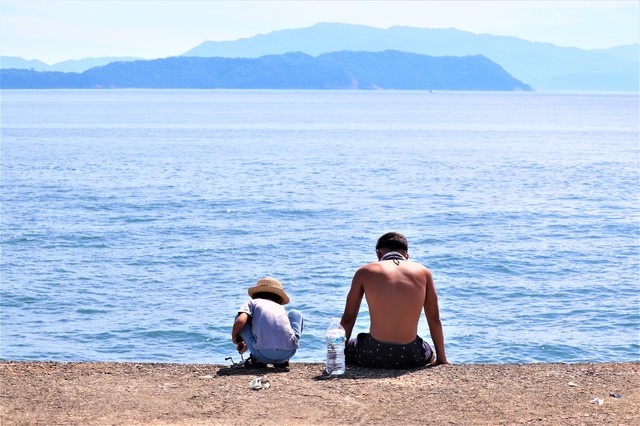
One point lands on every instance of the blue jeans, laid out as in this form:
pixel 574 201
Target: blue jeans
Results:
pixel 273 356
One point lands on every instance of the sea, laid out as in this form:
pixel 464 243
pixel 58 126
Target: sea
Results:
pixel 134 221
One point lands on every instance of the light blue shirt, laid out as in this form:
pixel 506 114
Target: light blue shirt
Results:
pixel 270 325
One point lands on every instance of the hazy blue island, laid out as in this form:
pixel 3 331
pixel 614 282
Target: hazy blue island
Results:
pixel 71 65
pixel 541 65
pixel 345 70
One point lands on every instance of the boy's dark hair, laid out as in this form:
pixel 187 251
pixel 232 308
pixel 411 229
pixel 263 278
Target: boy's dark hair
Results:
pixel 392 241
pixel 267 295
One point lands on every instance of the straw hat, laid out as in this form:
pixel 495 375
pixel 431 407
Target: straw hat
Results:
pixel 269 285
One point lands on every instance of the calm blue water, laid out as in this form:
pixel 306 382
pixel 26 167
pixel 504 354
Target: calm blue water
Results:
pixel 133 221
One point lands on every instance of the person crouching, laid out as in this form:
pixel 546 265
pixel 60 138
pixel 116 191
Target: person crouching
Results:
pixel 263 327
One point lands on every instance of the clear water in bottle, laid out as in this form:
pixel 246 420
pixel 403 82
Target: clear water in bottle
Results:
pixel 335 348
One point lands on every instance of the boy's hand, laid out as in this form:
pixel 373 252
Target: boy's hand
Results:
pixel 241 347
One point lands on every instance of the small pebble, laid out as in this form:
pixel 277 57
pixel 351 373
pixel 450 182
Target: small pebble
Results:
pixel 572 384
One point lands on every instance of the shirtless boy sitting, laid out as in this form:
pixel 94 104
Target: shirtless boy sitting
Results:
pixel 396 290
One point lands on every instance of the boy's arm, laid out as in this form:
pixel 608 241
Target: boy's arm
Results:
pixel 238 325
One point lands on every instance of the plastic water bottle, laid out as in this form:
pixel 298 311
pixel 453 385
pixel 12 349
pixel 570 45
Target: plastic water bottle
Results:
pixel 335 348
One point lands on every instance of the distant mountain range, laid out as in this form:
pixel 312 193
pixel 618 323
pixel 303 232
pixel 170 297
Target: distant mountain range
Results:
pixel 541 65
pixel 337 70
pixel 73 65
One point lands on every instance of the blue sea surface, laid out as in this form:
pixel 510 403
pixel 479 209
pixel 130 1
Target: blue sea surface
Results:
pixel 133 221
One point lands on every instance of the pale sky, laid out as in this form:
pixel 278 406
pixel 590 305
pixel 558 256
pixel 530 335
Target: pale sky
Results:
pixel 53 31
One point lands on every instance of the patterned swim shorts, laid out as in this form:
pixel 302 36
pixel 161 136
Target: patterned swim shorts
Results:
pixel 365 351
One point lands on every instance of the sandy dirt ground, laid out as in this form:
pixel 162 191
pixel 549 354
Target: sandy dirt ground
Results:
pixel 184 394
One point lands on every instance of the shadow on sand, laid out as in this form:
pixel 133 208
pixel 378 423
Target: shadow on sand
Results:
pixel 368 373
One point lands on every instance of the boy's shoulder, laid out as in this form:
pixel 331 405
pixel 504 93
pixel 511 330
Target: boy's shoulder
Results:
pixel 263 305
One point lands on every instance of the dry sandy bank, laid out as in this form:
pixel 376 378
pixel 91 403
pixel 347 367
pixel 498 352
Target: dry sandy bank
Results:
pixel 128 393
